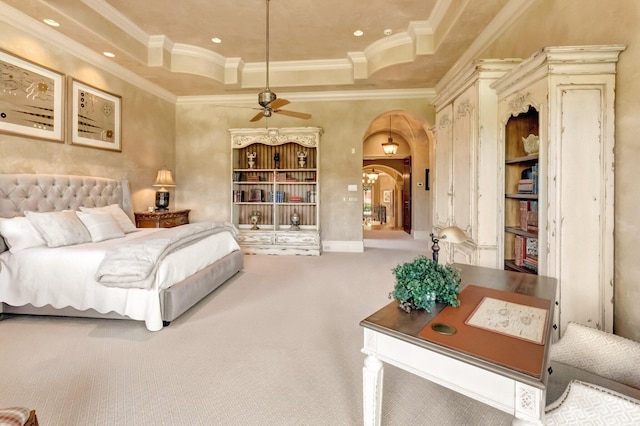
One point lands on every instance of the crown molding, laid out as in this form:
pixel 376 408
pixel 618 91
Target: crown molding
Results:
pixel 107 11
pixel 38 30
pixel 354 95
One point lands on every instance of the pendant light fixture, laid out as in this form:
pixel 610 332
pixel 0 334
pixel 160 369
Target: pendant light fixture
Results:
pixel 390 147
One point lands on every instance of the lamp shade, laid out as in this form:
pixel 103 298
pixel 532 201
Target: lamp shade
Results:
pixel 453 234
pixel 164 179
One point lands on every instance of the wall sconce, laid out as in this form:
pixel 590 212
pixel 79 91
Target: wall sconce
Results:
pixel 452 234
pixel 390 147
pixel 164 179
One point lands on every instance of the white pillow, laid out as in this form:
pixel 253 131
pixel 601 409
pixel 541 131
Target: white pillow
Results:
pixel 19 234
pixel 59 228
pixel 117 213
pixel 101 226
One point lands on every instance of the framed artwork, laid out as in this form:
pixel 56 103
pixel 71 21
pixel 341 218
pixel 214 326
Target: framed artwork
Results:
pixel 386 197
pixel 31 99
pixel 95 117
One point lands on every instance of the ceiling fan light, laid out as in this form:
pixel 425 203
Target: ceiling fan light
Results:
pixel 390 147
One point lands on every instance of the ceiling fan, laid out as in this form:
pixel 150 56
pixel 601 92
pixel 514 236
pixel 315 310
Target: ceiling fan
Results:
pixel 267 99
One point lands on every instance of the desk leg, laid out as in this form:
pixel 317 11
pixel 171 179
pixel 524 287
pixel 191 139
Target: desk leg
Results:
pixel 529 404
pixel 372 375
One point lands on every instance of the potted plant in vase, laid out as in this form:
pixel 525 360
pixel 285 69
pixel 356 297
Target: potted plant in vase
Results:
pixel 423 283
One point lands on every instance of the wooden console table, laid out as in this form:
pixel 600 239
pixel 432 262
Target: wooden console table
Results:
pixel 393 336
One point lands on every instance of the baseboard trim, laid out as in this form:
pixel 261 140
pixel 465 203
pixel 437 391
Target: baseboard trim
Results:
pixel 343 246
pixel 421 235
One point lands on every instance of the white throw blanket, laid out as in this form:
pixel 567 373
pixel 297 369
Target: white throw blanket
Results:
pixel 133 265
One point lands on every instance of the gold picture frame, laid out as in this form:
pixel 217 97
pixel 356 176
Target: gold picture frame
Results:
pixel 95 117
pixel 31 99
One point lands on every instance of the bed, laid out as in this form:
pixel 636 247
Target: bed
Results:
pixel 70 275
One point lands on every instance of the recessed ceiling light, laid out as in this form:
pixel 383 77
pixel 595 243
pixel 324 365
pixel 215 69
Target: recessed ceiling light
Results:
pixel 388 32
pixel 51 22
pixel 358 33
pixel 109 54
pixel 216 40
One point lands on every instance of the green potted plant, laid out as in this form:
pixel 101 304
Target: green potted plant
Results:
pixel 423 283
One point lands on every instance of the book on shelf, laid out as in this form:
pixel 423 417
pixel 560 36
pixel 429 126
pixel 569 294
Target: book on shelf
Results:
pixel 520 249
pixel 525 186
pixel 529 215
pixel 528 183
pixel 253 178
pixel 311 196
pixel 279 197
pixel 295 199
pixel 238 196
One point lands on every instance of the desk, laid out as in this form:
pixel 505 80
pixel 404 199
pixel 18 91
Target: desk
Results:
pixel 392 336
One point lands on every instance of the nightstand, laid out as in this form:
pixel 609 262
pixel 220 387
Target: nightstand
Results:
pixel 162 218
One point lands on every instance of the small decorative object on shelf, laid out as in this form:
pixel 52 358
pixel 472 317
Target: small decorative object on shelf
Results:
pixel 254 218
pixel 251 159
pixel 276 160
pixel 302 158
pixel 423 283
pixel 295 221
pixel 531 144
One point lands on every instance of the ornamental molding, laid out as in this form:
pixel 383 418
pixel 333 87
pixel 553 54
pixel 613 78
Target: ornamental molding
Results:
pixel 305 136
pixel 520 104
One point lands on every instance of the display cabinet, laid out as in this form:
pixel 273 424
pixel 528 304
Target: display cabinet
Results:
pixel 275 194
pixel 465 178
pixel 565 96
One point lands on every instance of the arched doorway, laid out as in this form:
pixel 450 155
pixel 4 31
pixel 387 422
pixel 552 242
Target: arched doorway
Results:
pixel 397 198
pixel 382 186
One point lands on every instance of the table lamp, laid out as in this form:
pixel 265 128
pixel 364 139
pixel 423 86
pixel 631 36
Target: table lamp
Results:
pixel 452 234
pixel 164 179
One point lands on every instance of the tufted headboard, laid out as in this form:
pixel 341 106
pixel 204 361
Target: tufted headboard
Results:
pixel 45 193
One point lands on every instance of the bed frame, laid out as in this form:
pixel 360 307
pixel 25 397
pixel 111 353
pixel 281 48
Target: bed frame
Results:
pixel 50 192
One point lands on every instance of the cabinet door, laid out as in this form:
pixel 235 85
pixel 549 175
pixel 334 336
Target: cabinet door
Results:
pixel 582 191
pixel 464 162
pixel 442 172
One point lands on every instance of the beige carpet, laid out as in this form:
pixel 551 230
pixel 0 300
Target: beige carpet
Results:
pixel 278 345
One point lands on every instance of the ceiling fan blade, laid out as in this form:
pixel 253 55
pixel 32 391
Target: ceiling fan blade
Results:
pixel 295 114
pixel 278 103
pixel 257 117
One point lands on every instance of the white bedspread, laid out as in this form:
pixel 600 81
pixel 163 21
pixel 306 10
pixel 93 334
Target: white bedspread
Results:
pixel 64 276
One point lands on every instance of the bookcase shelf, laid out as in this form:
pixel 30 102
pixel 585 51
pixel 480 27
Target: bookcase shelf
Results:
pixel 520 208
pixel 275 173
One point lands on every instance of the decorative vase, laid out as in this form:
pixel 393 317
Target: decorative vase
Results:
pixel 302 158
pixel 254 218
pixel 531 144
pixel 295 221
pixel 251 159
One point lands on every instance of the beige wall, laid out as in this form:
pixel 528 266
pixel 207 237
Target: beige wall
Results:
pixel 583 22
pixel 203 153
pixel 148 127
